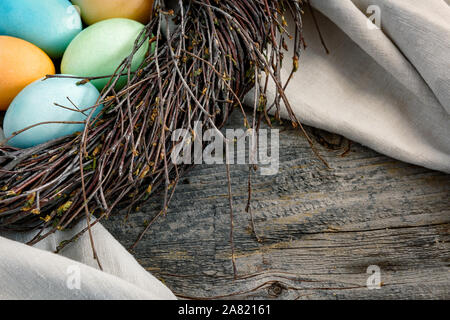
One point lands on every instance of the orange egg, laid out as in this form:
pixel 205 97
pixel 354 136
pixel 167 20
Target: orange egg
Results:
pixel 21 63
pixel 93 11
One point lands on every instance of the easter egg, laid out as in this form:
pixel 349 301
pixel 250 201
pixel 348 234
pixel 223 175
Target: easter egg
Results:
pixel 93 11
pixel 49 24
pixel 21 63
pixel 99 49
pixel 51 100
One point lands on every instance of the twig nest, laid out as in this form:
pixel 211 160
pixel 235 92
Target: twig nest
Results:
pixel 215 54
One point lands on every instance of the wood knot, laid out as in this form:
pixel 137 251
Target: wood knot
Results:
pixel 275 289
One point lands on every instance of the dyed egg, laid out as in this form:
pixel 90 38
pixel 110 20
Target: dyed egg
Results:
pixel 49 24
pixel 99 49
pixel 21 63
pixel 39 102
pixel 93 11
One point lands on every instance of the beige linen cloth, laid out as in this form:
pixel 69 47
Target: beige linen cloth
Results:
pixel 386 88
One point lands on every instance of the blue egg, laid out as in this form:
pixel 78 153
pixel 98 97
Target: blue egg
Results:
pixel 51 24
pixel 38 103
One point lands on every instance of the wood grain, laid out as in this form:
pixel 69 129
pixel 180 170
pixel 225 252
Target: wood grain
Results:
pixel 316 230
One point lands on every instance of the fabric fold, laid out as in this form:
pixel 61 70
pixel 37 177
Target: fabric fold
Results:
pixel 367 89
pixel 352 20
pixel 37 273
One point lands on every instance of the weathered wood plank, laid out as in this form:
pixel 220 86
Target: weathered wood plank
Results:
pixel 318 229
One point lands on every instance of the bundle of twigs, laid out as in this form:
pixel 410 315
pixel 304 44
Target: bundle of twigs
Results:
pixel 208 55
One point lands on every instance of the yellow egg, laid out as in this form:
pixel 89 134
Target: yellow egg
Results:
pixel 93 11
pixel 21 63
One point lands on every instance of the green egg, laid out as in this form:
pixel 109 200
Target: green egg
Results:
pixel 99 49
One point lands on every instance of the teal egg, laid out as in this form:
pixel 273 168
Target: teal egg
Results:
pixel 99 49
pixel 37 103
pixel 49 24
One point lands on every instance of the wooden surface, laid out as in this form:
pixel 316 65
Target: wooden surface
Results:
pixel 318 230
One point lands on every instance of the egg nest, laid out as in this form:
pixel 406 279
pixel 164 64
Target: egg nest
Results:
pixel 208 55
